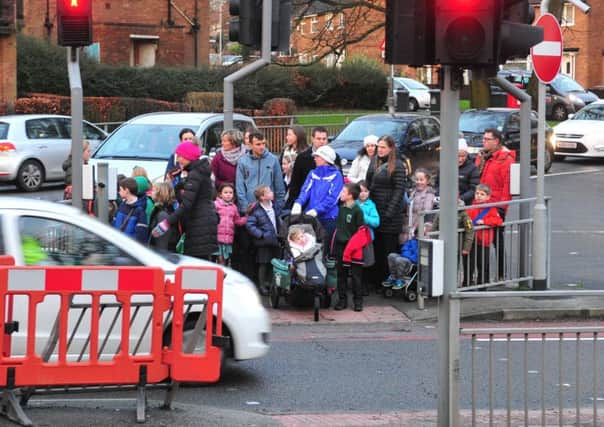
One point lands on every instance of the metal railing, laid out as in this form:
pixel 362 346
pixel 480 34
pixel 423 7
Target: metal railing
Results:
pixel 538 375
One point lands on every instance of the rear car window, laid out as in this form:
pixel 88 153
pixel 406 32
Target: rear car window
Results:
pixel 46 128
pixel 3 130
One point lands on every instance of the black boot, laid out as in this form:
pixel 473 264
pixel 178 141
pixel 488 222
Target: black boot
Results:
pixel 358 306
pixel 341 304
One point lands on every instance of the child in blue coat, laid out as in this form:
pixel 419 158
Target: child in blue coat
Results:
pixel 372 219
pixel 262 224
pixel 131 218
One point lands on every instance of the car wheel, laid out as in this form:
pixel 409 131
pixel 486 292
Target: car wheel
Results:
pixel 559 113
pixel 549 159
pixel 413 105
pixel 30 176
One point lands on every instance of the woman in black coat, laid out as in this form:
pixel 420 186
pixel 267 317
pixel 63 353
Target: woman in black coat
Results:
pixel 386 182
pixel 196 212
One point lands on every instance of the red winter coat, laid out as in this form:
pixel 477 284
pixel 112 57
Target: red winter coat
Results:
pixel 353 252
pixel 496 174
pixel 490 219
pixel 229 216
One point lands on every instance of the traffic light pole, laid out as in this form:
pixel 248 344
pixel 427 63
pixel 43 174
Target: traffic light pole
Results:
pixel 265 59
pixel 77 116
pixel 448 312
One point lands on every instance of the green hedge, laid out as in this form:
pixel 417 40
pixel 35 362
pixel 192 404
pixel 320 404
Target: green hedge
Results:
pixel 358 83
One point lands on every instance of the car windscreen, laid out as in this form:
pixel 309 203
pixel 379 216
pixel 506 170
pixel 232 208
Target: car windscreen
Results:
pixel 564 84
pixel 591 112
pixel 359 129
pixel 146 141
pixel 3 130
pixel 414 85
pixel 478 121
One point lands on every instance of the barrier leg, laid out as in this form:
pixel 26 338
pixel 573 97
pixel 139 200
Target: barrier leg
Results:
pixel 141 396
pixel 12 410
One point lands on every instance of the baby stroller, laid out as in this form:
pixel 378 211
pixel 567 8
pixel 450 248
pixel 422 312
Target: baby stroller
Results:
pixel 301 274
pixel 406 274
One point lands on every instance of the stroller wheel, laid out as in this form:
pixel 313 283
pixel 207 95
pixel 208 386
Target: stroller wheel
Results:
pixel 411 295
pixel 274 295
pixel 388 292
pixel 317 306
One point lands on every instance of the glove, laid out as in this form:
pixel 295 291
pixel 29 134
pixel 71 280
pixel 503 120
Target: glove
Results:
pixel 311 212
pixel 296 209
pixel 160 229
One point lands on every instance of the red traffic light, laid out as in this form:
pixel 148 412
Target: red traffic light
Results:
pixel 74 19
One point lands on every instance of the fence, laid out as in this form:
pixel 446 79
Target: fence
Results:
pixel 112 326
pixel 507 261
pixel 538 375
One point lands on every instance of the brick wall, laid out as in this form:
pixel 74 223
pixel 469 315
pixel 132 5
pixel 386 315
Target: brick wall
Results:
pixel 8 70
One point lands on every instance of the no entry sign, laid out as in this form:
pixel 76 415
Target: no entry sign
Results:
pixel 547 55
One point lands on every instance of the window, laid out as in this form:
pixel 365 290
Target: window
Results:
pixel 89 131
pixel 46 128
pixel 142 53
pixel 46 241
pixel 431 128
pixel 414 132
pixel 514 123
pixel 212 137
pixel 568 15
pixel 329 21
pixel 314 24
pixel 568 63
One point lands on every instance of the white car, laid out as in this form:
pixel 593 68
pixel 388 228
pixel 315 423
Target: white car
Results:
pixel 582 135
pixel 33 148
pixel 150 139
pixel 65 236
pixel 419 93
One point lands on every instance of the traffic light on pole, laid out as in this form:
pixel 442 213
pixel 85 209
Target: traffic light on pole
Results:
pixel 281 25
pixel 409 32
pixel 74 22
pixel 517 35
pixel 245 24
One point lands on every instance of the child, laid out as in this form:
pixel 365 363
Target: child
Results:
pixel 400 266
pixel 350 218
pixel 163 205
pixel 300 241
pixel 484 238
pixel 287 166
pixel 229 217
pixel 262 224
pixel 131 217
pixel 142 192
pixel 372 220
pixel 422 198
pixel 141 171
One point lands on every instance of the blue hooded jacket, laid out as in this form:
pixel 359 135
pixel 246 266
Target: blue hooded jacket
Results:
pixel 371 215
pixel 321 191
pixel 137 226
pixel 253 172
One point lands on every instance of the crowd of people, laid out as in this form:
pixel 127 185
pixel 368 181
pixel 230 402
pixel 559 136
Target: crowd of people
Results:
pixel 230 207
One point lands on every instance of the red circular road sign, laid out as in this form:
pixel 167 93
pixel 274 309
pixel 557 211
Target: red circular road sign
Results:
pixel 547 55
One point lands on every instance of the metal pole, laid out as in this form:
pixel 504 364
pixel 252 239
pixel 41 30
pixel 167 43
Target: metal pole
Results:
pixel 448 314
pixel 220 36
pixel 525 166
pixel 77 116
pixel 540 213
pixel 391 101
pixel 265 59
pixel 102 195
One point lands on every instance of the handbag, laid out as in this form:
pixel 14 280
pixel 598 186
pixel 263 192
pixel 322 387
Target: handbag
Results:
pixel 180 246
pixel 368 255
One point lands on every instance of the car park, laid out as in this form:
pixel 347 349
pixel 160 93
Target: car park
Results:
pixel 419 93
pixel 582 135
pixel 150 139
pixel 417 138
pixel 33 148
pixel 473 122
pixel 62 235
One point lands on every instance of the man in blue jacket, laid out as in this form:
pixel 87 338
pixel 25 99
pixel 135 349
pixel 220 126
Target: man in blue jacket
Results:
pixel 321 190
pixel 258 167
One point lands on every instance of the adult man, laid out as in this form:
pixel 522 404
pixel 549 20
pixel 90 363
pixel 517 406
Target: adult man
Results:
pixel 468 174
pixel 258 167
pixel 494 162
pixel 305 163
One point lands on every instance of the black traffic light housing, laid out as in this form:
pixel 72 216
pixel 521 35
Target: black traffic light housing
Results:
pixel 517 35
pixel 409 32
pixel 245 25
pixel 74 22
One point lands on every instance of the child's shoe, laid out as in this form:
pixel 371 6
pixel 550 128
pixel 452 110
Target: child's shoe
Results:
pixel 390 281
pixel 398 284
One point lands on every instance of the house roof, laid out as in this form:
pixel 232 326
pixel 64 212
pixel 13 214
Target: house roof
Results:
pixel 316 7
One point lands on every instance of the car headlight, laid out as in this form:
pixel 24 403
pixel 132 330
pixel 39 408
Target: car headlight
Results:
pixel 552 139
pixel 344 162
pixel 575 99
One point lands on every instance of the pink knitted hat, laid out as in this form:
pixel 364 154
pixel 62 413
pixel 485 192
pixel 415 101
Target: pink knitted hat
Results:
pixel 188 150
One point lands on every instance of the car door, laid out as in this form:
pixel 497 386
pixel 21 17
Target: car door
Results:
pixel 418 148
pixel 511 132
pixel 49 144
pixel 431 131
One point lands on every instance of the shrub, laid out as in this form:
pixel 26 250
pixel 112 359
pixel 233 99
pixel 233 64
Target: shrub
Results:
pixel 204 101
pixel 364 84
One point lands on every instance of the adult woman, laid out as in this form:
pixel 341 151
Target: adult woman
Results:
pixel 224 163
pixel 295 142
pixel 172 170
pixel 386 181
pixel 67 168
pixel 196 212
pixel 358 169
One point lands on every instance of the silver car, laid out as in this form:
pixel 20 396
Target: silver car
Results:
pixel 33 148
pixel 419 93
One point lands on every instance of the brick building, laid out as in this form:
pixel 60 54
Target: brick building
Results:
pixel 133 32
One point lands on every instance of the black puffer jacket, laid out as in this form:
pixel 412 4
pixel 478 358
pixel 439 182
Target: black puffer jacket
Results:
pixel 196 211
pixel 387 193
pixel 469 178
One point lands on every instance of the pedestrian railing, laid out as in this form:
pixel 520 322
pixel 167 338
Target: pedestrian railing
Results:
pixel 531 375
pixel 508 261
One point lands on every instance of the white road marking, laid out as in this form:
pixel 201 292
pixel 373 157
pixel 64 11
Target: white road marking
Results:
pixel 577 232
pixel 570 173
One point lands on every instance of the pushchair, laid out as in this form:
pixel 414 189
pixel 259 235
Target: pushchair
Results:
pixel 407 273
pixel 301 275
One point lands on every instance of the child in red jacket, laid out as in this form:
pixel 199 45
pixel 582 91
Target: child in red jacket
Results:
pixel 489 217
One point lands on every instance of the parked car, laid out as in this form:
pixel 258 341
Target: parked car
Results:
pixel 66 236
pixel 417 138
pixel 582 134
pixel 473 122
pixel 563 97
pixel 149 140
pixel 419 93
pixel 33 148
